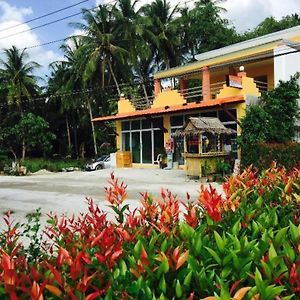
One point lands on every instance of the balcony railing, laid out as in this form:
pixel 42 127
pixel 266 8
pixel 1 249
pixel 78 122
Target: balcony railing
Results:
pixel 193 94
pixel 262 86
pixel 142 103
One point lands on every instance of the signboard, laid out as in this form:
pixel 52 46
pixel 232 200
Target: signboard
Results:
pixel 234 81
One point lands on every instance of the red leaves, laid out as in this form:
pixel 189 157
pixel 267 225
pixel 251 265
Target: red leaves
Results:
pixel 211 202
pixel 295 277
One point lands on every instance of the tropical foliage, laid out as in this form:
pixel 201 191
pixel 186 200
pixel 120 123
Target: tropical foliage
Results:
pixel 237 245
pixel 117 49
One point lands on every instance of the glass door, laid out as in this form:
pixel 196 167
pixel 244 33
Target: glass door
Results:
pixel 136 147
pixel 147 147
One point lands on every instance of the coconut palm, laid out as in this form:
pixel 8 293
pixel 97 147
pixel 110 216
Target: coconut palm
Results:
pixel 16 74
pixel 100 46
pixel 162 18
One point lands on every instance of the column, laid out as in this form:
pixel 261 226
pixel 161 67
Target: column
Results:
pixel 206 84
pixel 157 88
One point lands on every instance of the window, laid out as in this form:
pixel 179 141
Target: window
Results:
pixel 211 143
pixel 135 124
pixel 126 141
pixel 192 144
pixel 227 116
pixel 126 125
pixel 176 120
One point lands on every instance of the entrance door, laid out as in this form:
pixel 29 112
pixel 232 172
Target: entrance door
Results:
pixel 136 149
pixel 147 147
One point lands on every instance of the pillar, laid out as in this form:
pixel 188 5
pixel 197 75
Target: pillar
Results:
pixel 182 86
pixel 157 88
pixel 206 84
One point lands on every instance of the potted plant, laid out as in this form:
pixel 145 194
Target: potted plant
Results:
pixel 205 168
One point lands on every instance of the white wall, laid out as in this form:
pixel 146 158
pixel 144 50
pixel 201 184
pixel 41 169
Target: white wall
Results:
pixel 285 65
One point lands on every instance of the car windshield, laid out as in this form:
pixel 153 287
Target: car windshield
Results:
pixel 102 158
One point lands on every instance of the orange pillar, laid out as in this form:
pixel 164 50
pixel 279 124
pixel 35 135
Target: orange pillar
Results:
pixel 182 86
pixel 206 84
pixel 157 88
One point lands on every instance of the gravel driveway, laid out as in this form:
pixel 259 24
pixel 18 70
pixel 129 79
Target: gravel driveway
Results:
pixel 66 192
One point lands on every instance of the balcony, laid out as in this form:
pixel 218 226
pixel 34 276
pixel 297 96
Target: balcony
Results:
pixel 239 85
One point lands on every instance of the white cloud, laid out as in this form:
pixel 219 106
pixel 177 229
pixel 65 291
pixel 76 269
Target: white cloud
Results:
pixel 12 16
pixel 247 14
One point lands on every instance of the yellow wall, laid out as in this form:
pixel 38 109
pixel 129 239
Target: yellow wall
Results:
pixel 169 98
pixel 249 88
pixel 119 136
pixel 125 106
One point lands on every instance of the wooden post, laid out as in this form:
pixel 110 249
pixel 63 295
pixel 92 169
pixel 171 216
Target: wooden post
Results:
pixel 157 88
pixel 206 84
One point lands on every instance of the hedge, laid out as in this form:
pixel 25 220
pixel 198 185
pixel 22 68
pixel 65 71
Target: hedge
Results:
pixel 261 155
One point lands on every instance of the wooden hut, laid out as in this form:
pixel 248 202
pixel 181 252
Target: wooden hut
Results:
pixel 204 144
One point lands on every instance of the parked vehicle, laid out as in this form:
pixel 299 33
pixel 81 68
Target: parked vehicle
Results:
pixel 102 162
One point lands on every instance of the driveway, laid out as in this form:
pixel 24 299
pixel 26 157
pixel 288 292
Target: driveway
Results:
pixel 66 192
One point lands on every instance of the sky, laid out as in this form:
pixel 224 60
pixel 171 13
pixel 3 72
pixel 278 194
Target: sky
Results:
pixel 244 14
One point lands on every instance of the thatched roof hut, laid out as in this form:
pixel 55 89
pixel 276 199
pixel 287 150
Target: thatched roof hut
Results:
pixel 197 126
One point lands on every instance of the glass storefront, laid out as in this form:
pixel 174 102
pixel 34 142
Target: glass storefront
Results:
pixel 144 139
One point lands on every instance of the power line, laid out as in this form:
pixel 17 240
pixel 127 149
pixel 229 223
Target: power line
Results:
pixel 45 15
pixel 52 22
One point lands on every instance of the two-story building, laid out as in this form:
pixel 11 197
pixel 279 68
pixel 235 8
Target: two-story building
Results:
pixel 221 83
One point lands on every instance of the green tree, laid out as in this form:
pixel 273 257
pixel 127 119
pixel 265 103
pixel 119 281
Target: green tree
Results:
pixel 273 119
pixel 16 74
pixel 35 132
pixel 31 133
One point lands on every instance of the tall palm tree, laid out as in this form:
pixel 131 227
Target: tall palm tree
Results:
pixel 100 45
pixel 17 75
pixel 163 26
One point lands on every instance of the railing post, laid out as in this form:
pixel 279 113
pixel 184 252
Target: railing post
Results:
pixel 182 86
pixel 206 84
pixel 157 88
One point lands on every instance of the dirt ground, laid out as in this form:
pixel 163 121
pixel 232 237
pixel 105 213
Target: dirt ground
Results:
pixel 66 192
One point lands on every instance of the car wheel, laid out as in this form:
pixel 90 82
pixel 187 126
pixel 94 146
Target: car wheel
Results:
pixel 99 167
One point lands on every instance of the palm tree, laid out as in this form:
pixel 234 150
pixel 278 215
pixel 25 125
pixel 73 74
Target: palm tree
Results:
pixel 100 46
pixel 19 82
pixel 163 26
pixel 17 75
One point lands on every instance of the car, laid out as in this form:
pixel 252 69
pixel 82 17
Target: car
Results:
pixel 102 162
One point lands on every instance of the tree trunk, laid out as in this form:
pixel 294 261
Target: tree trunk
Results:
pixel 145 92
pixel 13 153
pixel 23 149
pixel 68 132
pixel 114 78
pixel 75 135
pixel 92 125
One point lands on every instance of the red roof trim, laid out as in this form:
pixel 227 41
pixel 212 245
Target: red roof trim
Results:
pixel 172 109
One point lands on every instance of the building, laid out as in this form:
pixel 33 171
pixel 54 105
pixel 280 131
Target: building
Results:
pixel 221 83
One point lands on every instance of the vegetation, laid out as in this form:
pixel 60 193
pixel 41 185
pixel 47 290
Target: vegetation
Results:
pixel 238 245
pixel 270 126
pixel 120 46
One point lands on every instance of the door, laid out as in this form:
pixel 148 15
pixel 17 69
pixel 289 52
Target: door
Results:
pixel 136 147
pixel 147 147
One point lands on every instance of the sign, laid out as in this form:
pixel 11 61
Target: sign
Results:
pixel 234 81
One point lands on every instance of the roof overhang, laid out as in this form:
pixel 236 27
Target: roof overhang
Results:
pixel 232 53
pixel 174 109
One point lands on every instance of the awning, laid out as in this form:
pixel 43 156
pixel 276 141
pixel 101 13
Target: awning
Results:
pixel 197 126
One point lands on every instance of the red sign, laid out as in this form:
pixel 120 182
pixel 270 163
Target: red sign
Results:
pixel 234 81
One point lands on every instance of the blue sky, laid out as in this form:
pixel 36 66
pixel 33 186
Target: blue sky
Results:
pixel 244 14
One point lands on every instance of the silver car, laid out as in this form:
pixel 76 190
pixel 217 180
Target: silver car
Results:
pixel 102 162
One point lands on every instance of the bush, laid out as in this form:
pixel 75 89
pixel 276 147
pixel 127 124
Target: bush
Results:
pixel 261 155
pixel 34 165
pixel 244 245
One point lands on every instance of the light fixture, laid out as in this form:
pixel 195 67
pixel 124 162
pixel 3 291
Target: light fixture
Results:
pixel 242 68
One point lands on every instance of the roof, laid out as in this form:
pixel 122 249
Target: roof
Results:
pixel 252 47
pixel 196 126
pixel 173 109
